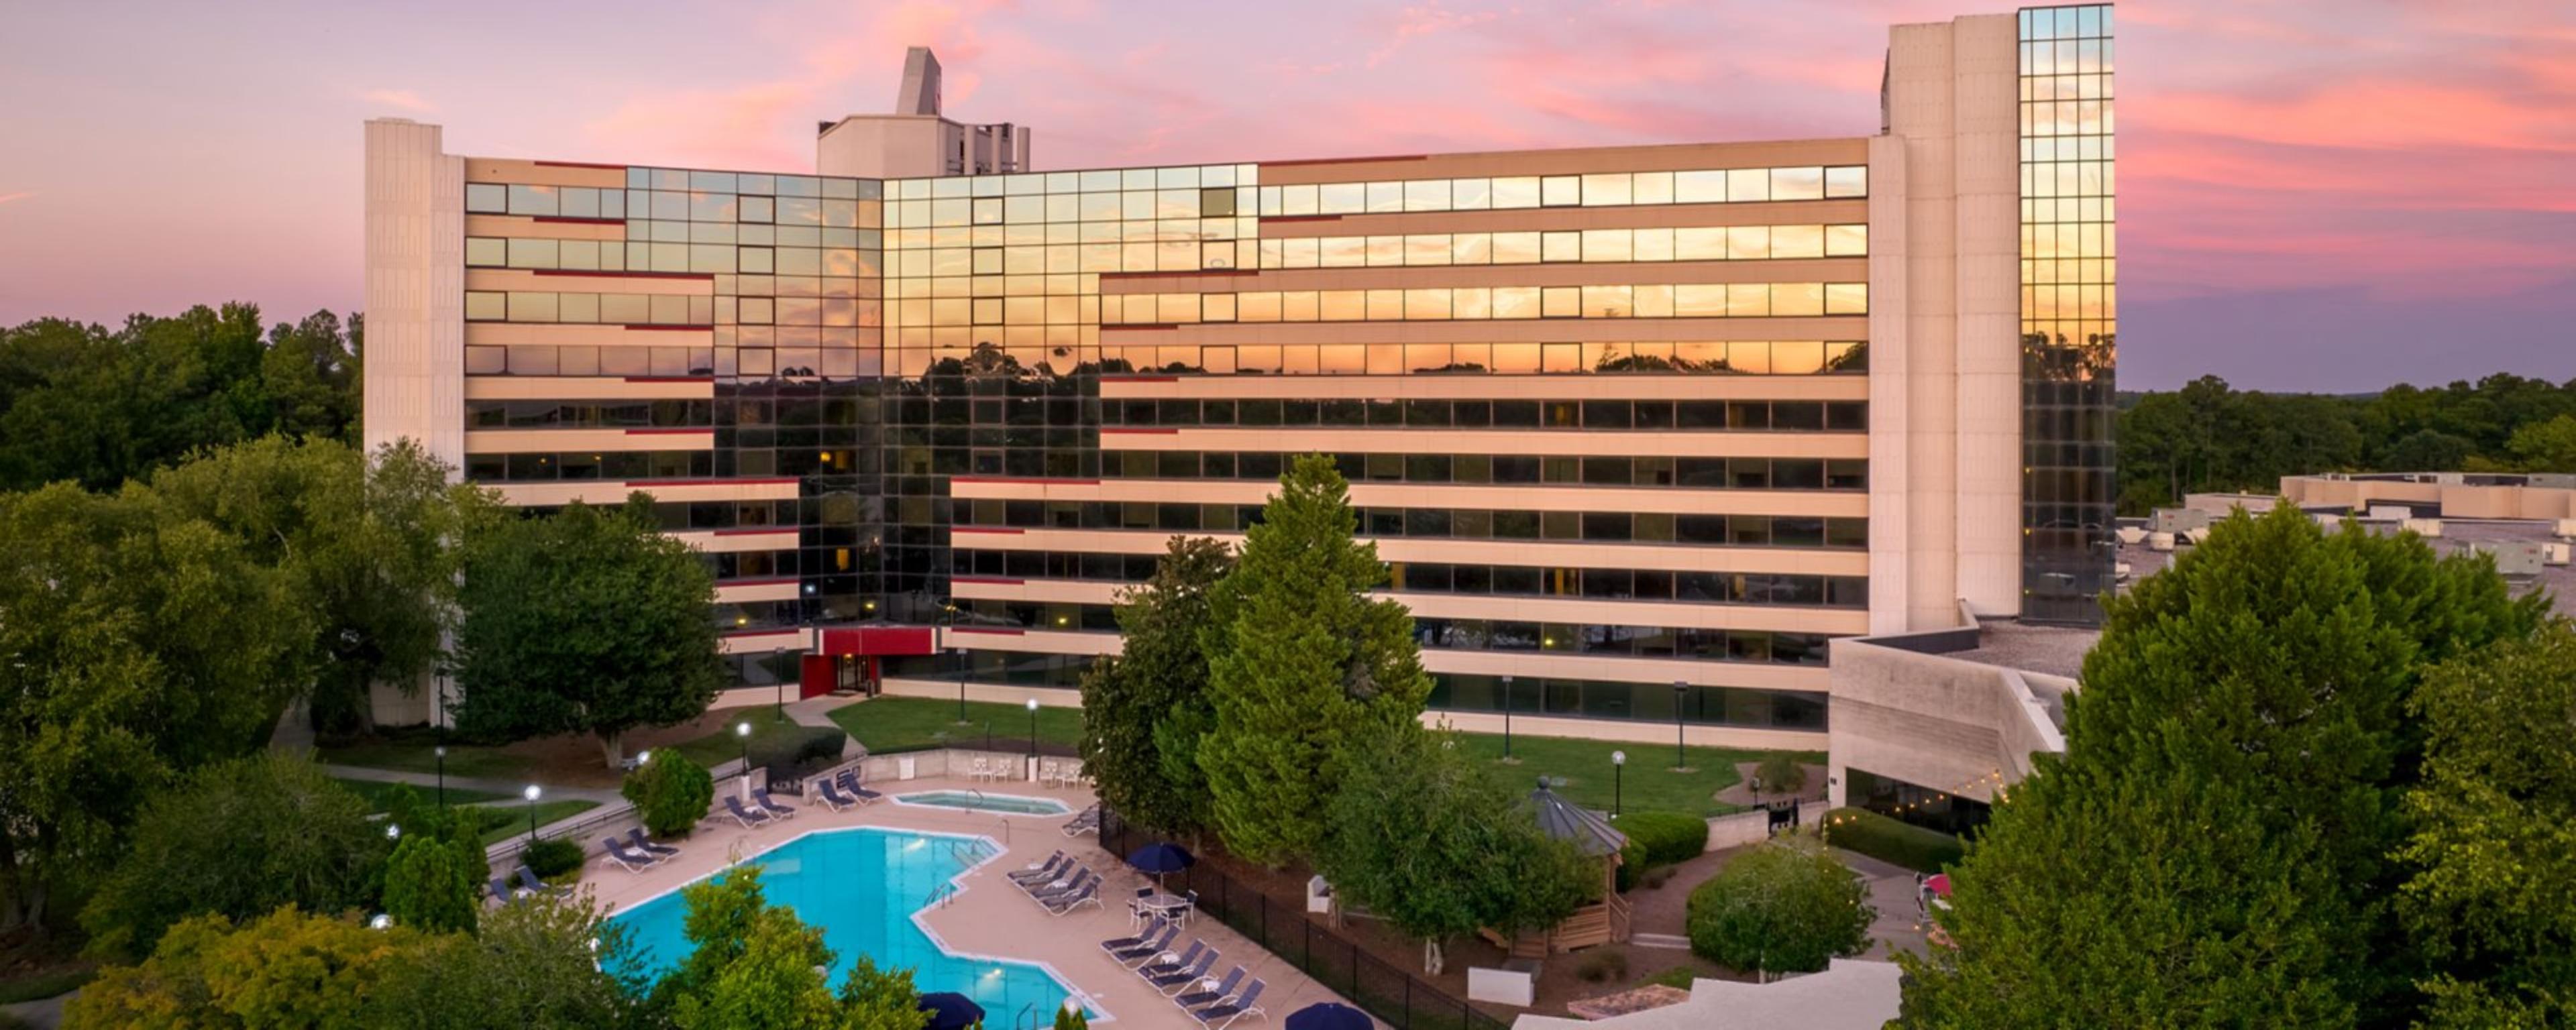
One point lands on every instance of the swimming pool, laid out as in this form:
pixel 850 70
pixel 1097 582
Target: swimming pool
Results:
pixel 1008 804
pixel 862 886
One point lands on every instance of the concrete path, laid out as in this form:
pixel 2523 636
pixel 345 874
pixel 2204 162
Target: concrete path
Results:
pixel 1901 924
pixel 42 1013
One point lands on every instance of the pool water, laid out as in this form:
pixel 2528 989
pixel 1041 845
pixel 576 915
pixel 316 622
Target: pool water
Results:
pixel 1013 804
pixel 862 886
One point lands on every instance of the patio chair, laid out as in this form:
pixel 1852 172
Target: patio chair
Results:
pixel 831 796
pixel 1136 906
pixel 617 852
pixel 1180 979
pixel 1082 879
pixel 528 882
pixel 1057 875
pixel 1224 1013
pixel 1063 903
pixel 1157 934
pixel 849 780
pixel 1034 869
pixel 982 770
pixel 501 891
pixel 1170 963
pixel 1210 996
pixel 749 819
pixel 636 839
pixel 760 796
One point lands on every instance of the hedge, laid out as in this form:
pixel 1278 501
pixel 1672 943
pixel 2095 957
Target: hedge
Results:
pixel 1658 838
pixel 793 752
pixel 1889 840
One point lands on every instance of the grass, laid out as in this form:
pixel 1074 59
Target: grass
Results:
pixel 45 984
pixel 412 750
pixel 506 821
pixel 1677 976
pixel 723 746
pixel 375 791
pixel 890 724
pixel 1648 782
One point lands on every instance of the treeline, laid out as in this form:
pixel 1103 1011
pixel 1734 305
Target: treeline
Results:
pixel 2208 437
pixel 98 406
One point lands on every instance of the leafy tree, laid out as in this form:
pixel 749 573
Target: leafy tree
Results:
pixel 431 885
pixel 1299 659
pixel 2428 450
pixel 671 793
pixel 135 643
pixel 588 620
pixel 284 969
pixel 366 542
pixel 1431 845
pixel 1147 707
pixel 2229 795
pixel 2494 839
pixel 2546 446
pixel 754 965
pixel 238 839
pixel 537 963
pixel 1786 906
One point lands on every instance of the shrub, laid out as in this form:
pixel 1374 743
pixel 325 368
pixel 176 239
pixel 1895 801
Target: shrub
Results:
pixel 792 752
pixel 1781 773
pixel 553 857
pixel 1602 965
pixel 671 794
pixel 1784 906
pixel 434 884
pixel 1891 841
pixel 1658 838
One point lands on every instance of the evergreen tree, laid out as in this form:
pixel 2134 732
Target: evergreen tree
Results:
pixel 1299 660
pixel 1145 709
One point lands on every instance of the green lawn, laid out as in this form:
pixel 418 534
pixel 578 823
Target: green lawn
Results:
pixel 375 792
pixel 889 724
pixel 413 750
pixel 504 821
pixel 723 746
pixel 1647 783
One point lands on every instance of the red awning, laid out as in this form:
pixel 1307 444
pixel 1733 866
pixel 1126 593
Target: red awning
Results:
pixel 880 640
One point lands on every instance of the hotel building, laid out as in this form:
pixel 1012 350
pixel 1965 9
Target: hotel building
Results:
pixel 1638 429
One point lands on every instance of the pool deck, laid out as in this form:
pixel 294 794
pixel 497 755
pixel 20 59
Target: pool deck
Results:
pixel 990 918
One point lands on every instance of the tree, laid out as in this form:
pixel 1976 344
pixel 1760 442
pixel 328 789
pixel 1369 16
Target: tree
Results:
pixel 285 969
pixel 431 886
pixel 2493 847
pixel 1146 708
pixel 2229 796
pixel 585 621
pixel 671 793
pixel 755 965
pixel 135 644
pixel 2428 450
pixel 1786 906
pixel 1431 845
pixel 238 839
pixel 367 543
pixel 2546 446
pixel 1299 659
pixel 537 964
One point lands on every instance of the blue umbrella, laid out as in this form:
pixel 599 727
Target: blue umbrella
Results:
pixel 1159 859
pixel 951 1011
pixel 1329 1015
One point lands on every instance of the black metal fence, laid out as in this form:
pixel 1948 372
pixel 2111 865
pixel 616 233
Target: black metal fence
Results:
pixel 1393 995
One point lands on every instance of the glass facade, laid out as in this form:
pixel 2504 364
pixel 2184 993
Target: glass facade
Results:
pixel 2069 311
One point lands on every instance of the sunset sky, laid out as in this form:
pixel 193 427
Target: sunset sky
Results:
pixel 2320 194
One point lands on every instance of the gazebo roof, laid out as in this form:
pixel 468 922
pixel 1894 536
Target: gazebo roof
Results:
pixel 1564 820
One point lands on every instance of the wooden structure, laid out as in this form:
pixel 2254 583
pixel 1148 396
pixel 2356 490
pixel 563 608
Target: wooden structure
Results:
pixel 1602 922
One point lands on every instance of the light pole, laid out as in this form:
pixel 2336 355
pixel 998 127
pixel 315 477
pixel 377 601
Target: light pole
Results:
pixel 532 793
pixel 742 731
pixel 1033 729
pixel 393 831
pixel 441 752
pixel 1618 766
pixel 1681 690
pixel 1507 718
pixel 778 671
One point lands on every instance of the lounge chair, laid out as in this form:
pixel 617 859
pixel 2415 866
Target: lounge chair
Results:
pixel 1085 821
pixel 1081 880
pixel 1128 950
pixel 1040 871
pixel 748 818
pixel 1180 979
pixel 1170 963
pixel 618 852
pixel 501 891
pixel 1224 1013
pixel 528 882
pixel 760 796
pixel 832 797
pixel 1063 903
pixel 1204 998
pixel 1067 877
pixel 636 839
pixel 858 791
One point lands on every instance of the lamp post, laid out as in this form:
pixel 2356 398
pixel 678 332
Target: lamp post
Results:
pixel 1618 766
pixel 778 671
pixel 742 732
pixel 393 831
pixel 1681 690
pixel 1033 728
pixel 532 793
pixel 1507 718
pixel 441 752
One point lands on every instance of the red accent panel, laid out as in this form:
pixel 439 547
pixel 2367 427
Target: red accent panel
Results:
pixel 986 529
pixel 669 328
pixel 1024 479
pixel 1343 160
pixel 813 675
pixel 988 580
pixel 669 431
pixel 576 220
pixel 881 640
pixel 586 164
pixel 1136 431
pixel 709 482
pixel 995 632
pixel 1301 218
pixel 708 276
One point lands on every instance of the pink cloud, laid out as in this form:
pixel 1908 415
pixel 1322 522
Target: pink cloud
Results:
pixel 20 195
pixel 402 99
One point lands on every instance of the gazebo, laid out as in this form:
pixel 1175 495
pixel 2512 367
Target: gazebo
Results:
pixel 1602 922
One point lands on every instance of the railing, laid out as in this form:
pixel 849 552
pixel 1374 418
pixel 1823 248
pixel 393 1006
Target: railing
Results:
pixel 1396 997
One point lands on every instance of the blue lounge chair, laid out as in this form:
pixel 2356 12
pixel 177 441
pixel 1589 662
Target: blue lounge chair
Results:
pixel 1179 980
pixel 528 882
pixel 1089 894
pixel 859 792
pixel 1080 881
pixel 1223 990
pixel 1173 964
pixel 831 796
pixel 1040 872
pixel 760 796
pixel 1224 1013
pixel 1067 878
pixel 748 818
pixel 501 891
pixel 618 852
pixel 636 839
pixel 1143 946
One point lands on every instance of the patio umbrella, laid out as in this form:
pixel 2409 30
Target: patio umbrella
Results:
pixel 1939 884
pixel 951 1011
pixel 1329 1015
pixel 1160 859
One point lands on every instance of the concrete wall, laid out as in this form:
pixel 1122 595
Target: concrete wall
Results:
pixel 2457 500
pixel 1944 723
